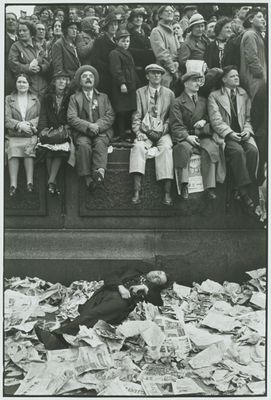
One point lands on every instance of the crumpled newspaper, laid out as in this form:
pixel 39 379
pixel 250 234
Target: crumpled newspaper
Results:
pixel 208 338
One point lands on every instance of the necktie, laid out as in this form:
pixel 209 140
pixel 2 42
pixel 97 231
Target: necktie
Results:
pixel 233 100
pixel 194 98
pixel 155 96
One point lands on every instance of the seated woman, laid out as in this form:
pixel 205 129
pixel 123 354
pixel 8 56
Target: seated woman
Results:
pixel 111 303
pixel 54 115
pixel 21 120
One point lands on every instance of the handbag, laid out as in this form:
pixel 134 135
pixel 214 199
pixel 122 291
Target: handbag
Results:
pixel 54 135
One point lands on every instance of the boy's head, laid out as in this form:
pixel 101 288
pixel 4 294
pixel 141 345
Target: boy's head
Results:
pixel 123 39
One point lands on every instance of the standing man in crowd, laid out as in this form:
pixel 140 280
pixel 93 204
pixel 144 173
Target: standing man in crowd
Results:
pixel 191 133
pixel 253 70
pixel 91 117
pixel 11 37
pixel 187 14
pixel 229 113
pixel 164 44
pixel 151 127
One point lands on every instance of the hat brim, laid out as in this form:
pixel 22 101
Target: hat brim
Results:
pixel 189 76
pixel 155 70
pixel 196 23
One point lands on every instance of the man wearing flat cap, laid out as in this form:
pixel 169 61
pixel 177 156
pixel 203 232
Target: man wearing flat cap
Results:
pixel 91 117
pixel 151 127
pixel 195 43
pixel 164 44
pixel 191 133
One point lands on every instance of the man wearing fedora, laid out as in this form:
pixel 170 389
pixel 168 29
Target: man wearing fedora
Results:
pixel 164 44
pixel 194 46
pixel 190 131
pixel 151 127
pixel 91 116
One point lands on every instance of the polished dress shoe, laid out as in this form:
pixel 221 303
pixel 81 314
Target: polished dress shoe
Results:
pixel 136 198
pixel 12 191
pixel 98 177
pixel 184 191
pixel 30 187
pixel 167 200
pixel 210 193
pixel 247 201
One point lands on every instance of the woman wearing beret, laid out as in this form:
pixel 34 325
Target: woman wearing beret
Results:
pixel 21 119
pixel 54 115
pixel 64 52
pixel 214 52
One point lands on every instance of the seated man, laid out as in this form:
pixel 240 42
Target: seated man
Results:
pixel 150 124
pixel 191 133
pixel 91 116
pixel 111 303
pixel 229 112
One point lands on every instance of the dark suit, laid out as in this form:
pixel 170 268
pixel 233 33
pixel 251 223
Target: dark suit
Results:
pixel 100 60
pixel 107 304
pixel 9 76
pixel 183 115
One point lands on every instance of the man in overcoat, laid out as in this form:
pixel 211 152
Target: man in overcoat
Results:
pixel 229 113
pixel 150 125
pixel 164 44
pixel 10 38
pixel 253 68
pixel 111 303
pixel 191 133
pixel 91 116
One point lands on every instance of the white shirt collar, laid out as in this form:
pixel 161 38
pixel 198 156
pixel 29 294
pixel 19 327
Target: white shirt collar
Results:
pixel 88 94
pixel 229 90
pixel 153 90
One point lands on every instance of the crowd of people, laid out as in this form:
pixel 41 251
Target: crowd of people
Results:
pixel 167 82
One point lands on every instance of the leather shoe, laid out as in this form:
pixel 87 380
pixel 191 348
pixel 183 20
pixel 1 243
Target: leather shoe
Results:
pixel 211 194
pixel 136 198
pixel 98 177
pixel 167 200
pixel 12 191
pixel 184 192
pixel 248 202
pixel 30 187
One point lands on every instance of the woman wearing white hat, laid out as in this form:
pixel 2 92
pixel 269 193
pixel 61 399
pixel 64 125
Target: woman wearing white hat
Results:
pixel 194 46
